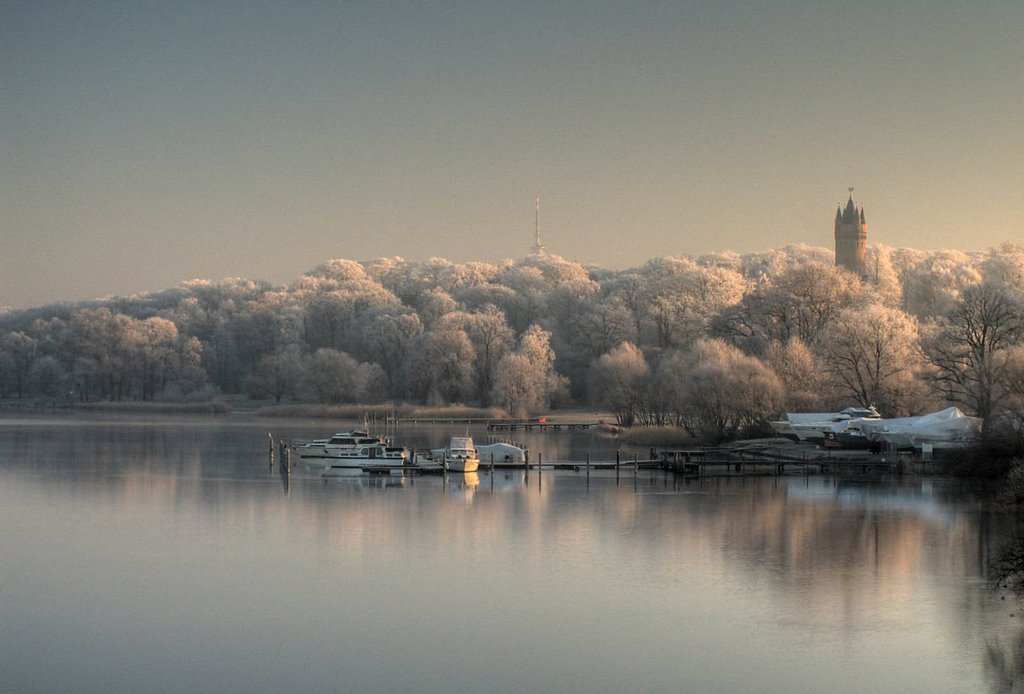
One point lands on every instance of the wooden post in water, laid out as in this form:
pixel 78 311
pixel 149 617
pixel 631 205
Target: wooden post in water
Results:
pixel 588 465
pixel 282 454
pixel 270 453
pixel 540 464
pixel 617 465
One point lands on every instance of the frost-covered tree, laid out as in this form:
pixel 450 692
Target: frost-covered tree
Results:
pixel 530 292
pixel 107 338
pixel 477 297
pixel 1005 265
pixel 514 385
pixel 19 352
pixel 334 297
pixel 433 304
pixel 1009 425
pixel 396 275
pixel 872 355
pixel 933 280
pixel 883 277
pixel 682 298
pixel 525 380
pixel 619 381
pixel 377 312
pixel 600 327
pixel 491 338
pixel 802 374
pixel 442 365
pixel 968 349
pixel 332 376
pixel 279 374
pixel 49 378
pixel 8 387
pixel 386 338
pixel 158 346
pixel 371 385
pixel 798 302
pixel 727 393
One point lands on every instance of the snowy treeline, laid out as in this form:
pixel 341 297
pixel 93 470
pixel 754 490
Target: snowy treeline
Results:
pixel 717 343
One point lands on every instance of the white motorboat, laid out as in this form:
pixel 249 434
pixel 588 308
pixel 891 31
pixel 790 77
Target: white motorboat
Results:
pixel 341 444
pixel 372 457
pixel 461 455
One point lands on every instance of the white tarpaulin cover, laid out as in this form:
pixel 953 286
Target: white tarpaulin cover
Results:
pixel 945 426
pixel 502 452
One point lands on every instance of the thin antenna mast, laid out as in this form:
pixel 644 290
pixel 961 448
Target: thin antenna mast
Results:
pixel 537 247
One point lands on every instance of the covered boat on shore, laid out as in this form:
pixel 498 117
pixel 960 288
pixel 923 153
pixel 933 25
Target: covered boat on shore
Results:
pixel 948 428
pixel 848 434
pixel 814 426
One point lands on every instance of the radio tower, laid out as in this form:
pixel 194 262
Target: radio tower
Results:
pixel 538 247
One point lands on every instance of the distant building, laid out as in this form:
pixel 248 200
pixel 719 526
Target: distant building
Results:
pixel 851 238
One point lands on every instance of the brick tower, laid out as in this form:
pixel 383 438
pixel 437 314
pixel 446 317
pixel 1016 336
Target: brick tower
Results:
pixel 851 238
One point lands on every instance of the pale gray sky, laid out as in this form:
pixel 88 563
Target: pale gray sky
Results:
pixel 146 143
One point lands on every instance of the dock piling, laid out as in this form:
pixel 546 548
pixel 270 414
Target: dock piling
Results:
pixel 284 456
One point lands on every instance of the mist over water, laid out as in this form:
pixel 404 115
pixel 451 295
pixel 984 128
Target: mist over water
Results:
pixel 169 556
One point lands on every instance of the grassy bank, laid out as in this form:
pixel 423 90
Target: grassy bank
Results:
pixel 659 437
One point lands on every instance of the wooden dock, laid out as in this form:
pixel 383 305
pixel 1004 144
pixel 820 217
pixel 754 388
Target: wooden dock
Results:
pixel 538 426
pixel 763 457
pixel 777 459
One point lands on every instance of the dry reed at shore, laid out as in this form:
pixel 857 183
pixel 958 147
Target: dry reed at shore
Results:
pixel 136 407
pixel 380 411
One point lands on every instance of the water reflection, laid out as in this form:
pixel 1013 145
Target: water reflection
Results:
pixel 599 581
pixel 1004 665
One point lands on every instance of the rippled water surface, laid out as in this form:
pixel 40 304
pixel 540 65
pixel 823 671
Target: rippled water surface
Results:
pixel 168 556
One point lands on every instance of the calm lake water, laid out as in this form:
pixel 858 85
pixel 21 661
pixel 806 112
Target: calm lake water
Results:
pixel 166 556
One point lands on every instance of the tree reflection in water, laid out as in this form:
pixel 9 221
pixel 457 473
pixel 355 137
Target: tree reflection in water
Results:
pixel 1004 666
pixel 1004 661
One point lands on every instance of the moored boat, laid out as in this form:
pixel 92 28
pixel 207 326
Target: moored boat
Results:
pixel 461 455
pixel 501 454
pixel 340 444
pixel 367 457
